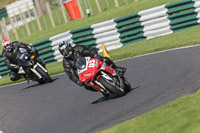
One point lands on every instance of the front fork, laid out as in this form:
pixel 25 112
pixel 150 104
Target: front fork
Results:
pixel 101 88
pixel 116 77
pixel 35 72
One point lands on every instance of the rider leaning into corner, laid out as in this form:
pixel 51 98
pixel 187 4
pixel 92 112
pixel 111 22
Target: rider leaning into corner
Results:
pixel 71 53
pixel 10 51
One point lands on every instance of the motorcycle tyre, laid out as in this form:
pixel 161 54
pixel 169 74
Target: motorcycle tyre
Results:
pixel 127 86
pixel 111 88
pixel 47 78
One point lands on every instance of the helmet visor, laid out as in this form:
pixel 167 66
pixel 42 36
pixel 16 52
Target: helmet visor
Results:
pixel 66 51
pixel 7 46
pixel 81 63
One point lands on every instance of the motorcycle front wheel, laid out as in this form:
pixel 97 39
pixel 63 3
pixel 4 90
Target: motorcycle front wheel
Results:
pixel 112 87
pixel 127 86
pixel 45 75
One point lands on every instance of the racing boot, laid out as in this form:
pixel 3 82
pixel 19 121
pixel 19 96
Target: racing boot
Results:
pixel 120 70
pixel 28 79
pixel 23 75
pixel 15 76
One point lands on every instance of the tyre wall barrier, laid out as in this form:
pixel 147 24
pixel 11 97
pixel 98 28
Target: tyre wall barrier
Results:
pixel 23 5
pixel 3 68
pixel 45 51
pixel 146 24
pixel 3 13
pixel 13 9
pixel 122 31
pixel 94 35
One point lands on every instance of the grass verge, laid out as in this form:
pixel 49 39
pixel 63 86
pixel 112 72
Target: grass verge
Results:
pixel 179 116
pixel 177 39
pixel 106 14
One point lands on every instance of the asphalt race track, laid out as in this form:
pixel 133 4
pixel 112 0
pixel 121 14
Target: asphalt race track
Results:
pixel 63 107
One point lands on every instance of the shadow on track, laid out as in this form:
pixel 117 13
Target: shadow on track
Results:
pixel 102 99
pixel 111 96
pixel 35 85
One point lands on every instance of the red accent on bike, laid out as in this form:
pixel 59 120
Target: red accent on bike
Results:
pixel 98 77
pixel 93 67
pixel 88 82
pixel 109 69
pixel 98 88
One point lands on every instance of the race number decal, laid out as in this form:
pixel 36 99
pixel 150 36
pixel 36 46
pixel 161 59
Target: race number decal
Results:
pixel 91 63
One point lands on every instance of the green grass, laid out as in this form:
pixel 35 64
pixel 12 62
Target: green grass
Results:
pixel 106 14
pixel 5 2
pixel 179 116
pixel 177 39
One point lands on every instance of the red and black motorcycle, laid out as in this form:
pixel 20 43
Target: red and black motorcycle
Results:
pixel 103 78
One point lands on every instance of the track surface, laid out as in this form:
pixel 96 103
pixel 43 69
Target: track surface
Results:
pixel 63 107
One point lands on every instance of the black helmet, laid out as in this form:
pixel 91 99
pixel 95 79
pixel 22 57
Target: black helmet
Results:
pixel 7 44
pixel 65 48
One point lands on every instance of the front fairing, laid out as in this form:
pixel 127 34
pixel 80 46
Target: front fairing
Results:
pixel 91 68
pixel 25 60
pixel 27 63
pixel 109 69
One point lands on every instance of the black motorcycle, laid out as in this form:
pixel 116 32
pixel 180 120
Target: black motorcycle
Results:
pixel 33 66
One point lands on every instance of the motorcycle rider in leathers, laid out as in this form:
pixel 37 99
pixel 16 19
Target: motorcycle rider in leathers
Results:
pixel 10 51
pixel 72 53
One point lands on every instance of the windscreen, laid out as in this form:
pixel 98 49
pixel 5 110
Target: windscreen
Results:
pixel 22 50
pixel 81 63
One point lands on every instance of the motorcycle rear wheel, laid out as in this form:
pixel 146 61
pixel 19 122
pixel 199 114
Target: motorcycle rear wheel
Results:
pixel 45 75
pixel 110 87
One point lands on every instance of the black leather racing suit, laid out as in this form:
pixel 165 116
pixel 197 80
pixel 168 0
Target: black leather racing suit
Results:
pixel 77 52
pixel 10 59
